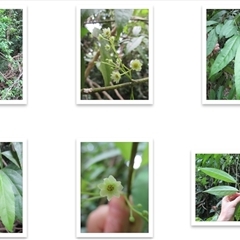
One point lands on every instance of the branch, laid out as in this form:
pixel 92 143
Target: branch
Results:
pixel 100 89
pixel 91 83
pixel 117 93
pixel 130 172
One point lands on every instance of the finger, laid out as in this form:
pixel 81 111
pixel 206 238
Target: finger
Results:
pixel 236 201
pixel 96 219
pixel 233 196
pixel 118 216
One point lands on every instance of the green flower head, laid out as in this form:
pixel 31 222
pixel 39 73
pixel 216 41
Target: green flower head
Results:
pixel 116 76
pixel 110 188
pixel 106 32
pixel 136 65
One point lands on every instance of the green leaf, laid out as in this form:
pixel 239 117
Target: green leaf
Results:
pixel 7 204
pixel 232 30
pixel 219 28
pixel 17 148
pixel 220 93
pixel 211 41
pixel 1 162
pixel 105 69
pixel 218 15
pixel 122 16
pixel 125 148
pixel 226 54
pixel 9 155
pixel 231 93
pixel 86 13
pixel 102 156
pixel 209 23
pixel 16 180
pixel 140 192
pixel 221 191
pixel 227 28
pixel 84 32
pixel 237 72
pixel 218 174
pixel 134 43
pixel 145 155
pixel 212 94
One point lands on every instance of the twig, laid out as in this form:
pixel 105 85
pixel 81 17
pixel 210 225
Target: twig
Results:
pixel 117 93
pixel 130 172
pixel 92 84
pixel 100 89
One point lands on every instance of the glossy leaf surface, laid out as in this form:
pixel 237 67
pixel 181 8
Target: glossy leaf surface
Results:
pixel 221 191
pixel 226 54
pixel 218 174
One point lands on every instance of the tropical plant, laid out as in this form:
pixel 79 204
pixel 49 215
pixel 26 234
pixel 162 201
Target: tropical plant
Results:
pixel 11 192
pixel 114 54
pixel 217 175
pixel 111 169
pixel 11 36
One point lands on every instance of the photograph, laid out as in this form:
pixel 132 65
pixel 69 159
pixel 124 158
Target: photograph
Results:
pixel 215 189
pixel 13 190
pixel 221 63
pixel 114 189
pixel 13 76
pixel 114 53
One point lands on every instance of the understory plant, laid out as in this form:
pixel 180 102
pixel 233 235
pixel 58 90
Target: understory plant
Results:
pixel 216 177
pixel 11 184
pixel 223 67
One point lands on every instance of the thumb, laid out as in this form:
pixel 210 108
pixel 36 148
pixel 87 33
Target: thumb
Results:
pixel 118 215
pixel 236 201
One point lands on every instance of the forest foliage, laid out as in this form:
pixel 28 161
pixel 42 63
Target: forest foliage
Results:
pixel 114 54
pixel 223 66
pixel 11 54
pixel 217 175
pixel 11 186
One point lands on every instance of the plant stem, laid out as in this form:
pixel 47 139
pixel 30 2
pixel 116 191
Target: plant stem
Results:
pixel 130 172
pixel 100 89
pixel 133 209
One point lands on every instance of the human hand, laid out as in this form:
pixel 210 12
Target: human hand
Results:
pixel 229 205
pixel 113 218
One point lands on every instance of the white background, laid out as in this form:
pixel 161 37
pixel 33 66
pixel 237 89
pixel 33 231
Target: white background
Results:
pixel 177 122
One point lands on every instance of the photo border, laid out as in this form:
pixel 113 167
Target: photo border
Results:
pixel 109 5
pixel 24 234
pixel 204 57
pixel 193 199
pixel 150 189
pixel 24 46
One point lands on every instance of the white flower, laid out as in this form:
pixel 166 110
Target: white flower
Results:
pixel 110 188
pixel 116 76
pixel 106 32
pixel 136 65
